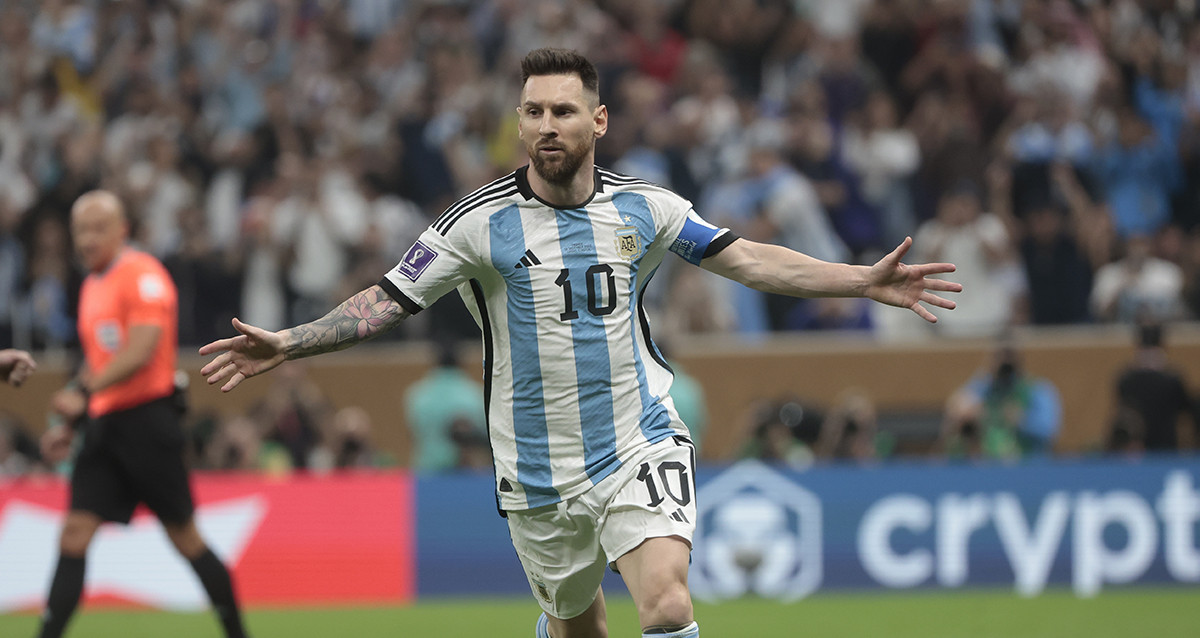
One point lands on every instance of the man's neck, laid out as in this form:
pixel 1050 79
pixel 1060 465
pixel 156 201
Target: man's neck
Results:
pixel 567 195
pixel 103 268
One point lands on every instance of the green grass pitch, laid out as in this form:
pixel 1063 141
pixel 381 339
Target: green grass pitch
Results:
pixel 1160 613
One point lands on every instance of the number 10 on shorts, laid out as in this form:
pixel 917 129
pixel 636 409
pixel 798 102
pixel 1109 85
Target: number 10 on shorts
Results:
pixel 668 480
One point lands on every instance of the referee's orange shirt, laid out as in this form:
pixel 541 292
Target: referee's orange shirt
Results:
pixel 134 290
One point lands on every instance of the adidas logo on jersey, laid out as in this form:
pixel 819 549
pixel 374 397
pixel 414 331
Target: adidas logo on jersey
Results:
pixel 678 515
pixel 528 261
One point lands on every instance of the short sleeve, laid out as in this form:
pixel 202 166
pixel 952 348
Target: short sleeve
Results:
pixel 150 298
pixel 433 266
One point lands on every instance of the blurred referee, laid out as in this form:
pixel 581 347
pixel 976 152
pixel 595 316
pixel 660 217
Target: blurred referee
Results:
pixel 124 401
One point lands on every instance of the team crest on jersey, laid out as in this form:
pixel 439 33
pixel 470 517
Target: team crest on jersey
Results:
pixel 629 243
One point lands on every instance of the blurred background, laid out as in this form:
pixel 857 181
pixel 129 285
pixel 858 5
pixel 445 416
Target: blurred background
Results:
pixel 280 155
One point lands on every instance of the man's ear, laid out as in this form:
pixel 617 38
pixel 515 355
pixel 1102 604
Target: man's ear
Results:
pixel 600 118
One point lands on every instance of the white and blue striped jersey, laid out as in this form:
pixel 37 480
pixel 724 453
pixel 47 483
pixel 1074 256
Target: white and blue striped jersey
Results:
pixel 573 381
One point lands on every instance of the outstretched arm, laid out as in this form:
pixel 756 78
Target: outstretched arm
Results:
pixel 362 317
pixel 783 271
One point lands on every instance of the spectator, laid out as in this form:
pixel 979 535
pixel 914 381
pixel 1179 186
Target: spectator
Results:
pixel 782 432
pixel 1139 286
pixel 1002 413
pixel 433 404
pixel 883 156
pixel 320 221
pixel 199 105
pixel 980 246
pixel 1138 171
pixel 850 431
pixel 292 414
pixel 52 283
pixel 18 453
pixel 773 203
pixel 472 450
pixel 1151 397
pixel 1055 246
pixel 12 268
pixel 238 445
pixel 348 444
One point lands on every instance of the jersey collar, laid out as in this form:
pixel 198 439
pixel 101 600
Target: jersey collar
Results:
pixel 527 191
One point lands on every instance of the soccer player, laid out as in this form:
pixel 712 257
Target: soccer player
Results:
pixel 593 466
pixel 16 366
pixel 124 401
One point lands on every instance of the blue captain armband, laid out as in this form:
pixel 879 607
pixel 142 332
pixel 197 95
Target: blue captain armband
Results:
pixel 694 238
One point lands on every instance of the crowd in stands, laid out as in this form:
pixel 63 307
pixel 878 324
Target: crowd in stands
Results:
pixel 279 155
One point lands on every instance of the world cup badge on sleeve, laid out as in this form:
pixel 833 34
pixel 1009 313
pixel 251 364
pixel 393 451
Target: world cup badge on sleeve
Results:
pixel 416 260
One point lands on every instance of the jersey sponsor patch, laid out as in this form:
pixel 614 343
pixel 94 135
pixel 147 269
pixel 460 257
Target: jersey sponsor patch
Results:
pixel 416 260
pixel 151 287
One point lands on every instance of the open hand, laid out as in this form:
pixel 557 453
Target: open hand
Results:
pixel 252 352
pixel 906 286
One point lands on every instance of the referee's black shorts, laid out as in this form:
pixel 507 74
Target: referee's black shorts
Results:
pixel 134 456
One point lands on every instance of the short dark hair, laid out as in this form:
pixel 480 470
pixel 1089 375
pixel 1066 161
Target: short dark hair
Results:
pixel 551 61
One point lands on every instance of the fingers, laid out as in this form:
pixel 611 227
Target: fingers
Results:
pixel 253 332
pixel 217 363
pixel 219 345
pixel 935 300
pixel 896 255
pixel 923 313
pixel 941 285
pixel 20 372
pixel 233 382
pixel 223 372
pixel 932 300
pixel 246 331
pixel 934 269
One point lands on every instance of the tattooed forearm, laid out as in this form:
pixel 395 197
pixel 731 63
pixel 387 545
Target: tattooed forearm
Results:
pixel 364 316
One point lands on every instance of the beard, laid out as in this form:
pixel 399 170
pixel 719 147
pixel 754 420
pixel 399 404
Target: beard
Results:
pixel 562 170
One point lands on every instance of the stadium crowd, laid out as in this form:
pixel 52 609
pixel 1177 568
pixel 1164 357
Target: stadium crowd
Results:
pixel 279 155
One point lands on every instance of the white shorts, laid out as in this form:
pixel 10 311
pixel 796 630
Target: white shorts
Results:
pixel 565 547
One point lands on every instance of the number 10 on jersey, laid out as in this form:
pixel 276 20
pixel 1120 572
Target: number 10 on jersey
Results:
pixel 601 291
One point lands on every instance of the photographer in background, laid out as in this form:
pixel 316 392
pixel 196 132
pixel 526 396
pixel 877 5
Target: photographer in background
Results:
pixel 1151 396
pixel 1002 413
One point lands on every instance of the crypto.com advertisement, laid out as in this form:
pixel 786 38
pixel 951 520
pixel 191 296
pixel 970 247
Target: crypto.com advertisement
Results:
pixel 1085 525
pixel 762 532
pixel 345 539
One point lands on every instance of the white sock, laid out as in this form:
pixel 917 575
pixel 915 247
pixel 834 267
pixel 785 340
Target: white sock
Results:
pixel 691 631
pixel 543 626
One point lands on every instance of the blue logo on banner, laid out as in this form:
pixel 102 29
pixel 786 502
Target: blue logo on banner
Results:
pixel 757 533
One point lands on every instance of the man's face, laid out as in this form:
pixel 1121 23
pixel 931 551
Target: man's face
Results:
pixel 99 232
pixel 559 124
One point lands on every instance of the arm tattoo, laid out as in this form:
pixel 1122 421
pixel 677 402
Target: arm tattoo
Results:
pixel 362 317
